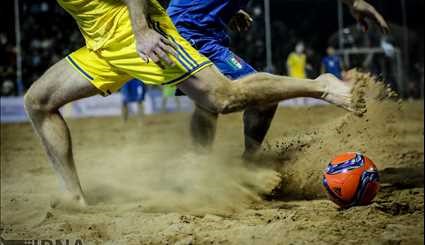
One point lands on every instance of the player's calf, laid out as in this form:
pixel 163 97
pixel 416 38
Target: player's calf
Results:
pixel 257 121
pixel 203 128
pixel 218 94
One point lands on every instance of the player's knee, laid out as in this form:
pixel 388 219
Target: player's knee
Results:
pixel 33 102
pixel 220 106
pixel 222 100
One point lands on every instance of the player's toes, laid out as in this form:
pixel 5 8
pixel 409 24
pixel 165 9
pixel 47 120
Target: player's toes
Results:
pixel 339 93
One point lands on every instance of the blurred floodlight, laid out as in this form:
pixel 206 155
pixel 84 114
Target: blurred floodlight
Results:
pixel 258 11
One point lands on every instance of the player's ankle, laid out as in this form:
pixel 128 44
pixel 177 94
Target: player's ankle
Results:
pixel 323 86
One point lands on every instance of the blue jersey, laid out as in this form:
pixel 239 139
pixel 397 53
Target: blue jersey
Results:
pixel 332 64
pixel 133 91
pixel 204 19
pixel 204 24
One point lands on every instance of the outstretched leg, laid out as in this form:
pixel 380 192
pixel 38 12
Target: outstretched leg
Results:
pixel 60 85
pixel 216 93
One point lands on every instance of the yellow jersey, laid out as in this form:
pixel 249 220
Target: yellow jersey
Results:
pixel 297 65
pixel 98 20
pixel 110 59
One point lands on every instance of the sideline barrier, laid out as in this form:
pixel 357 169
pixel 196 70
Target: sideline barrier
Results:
pixel 12 108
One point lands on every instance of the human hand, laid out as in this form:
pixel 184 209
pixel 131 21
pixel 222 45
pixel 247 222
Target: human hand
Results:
pixel 362 11
pixel 152 45
pixel 241 21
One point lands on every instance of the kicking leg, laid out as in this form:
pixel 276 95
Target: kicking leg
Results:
pixel 216 93
pixel 60 85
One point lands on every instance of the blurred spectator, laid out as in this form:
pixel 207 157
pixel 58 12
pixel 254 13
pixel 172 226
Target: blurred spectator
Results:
pixel 332 63
pixel 7 66
pixel 133 91
pixel 388 64
pixel 167 93
pixel 297 67
pixel 297 62
pixel 7 88
pixel 416 87
pixel 48 35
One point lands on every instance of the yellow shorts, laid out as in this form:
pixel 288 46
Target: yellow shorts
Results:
pixel 110 67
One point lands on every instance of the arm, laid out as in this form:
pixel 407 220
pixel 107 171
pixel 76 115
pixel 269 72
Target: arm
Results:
pixel 361 10
pixel 241 21
pixel 149 43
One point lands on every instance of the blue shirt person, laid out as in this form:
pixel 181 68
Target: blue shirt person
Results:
pixel 134 91
pixel 332 63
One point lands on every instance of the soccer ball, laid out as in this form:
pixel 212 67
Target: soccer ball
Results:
pixel 351 179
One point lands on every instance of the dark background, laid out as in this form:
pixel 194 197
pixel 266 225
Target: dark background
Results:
pixel 50 34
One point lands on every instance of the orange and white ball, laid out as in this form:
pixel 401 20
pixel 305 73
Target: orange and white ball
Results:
pixel 351 179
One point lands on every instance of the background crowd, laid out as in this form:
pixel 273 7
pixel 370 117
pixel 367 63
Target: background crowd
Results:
pixel 49 34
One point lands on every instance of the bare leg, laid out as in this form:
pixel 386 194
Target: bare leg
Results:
pixel 124 110
pixel 178 104
pixel 216 93
pixel 141 110
pixel 58 86
pixel 203 127
pixel 164 104
pixel 257 121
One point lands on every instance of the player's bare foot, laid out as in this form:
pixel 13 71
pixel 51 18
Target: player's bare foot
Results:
pixel 337 92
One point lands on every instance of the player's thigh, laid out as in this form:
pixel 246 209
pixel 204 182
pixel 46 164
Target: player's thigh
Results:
pixel 208 88
pixel 59 85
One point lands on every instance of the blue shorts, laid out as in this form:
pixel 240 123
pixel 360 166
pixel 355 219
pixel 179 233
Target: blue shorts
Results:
pixel 223 58
pixel 133 91
pixel 226 61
